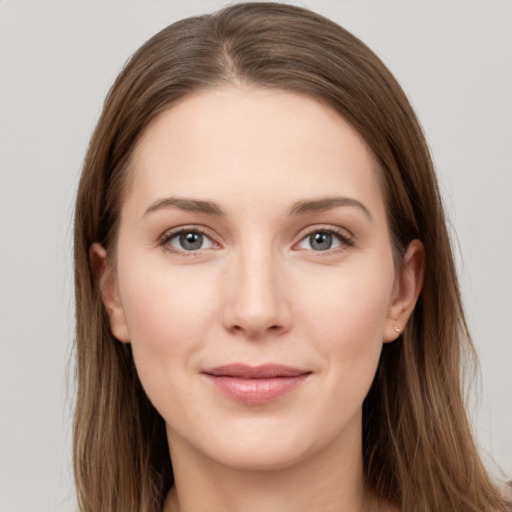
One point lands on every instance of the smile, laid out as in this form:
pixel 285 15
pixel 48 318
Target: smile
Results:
pixel 255 384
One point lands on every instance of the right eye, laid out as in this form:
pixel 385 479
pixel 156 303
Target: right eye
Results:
pixel 187 240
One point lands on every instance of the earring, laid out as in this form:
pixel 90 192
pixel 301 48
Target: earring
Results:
pixel 397 329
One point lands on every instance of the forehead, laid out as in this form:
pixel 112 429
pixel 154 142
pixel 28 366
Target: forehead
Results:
pixel 235 142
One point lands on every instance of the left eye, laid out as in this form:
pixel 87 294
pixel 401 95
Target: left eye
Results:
pixel 321 241
pixel 189 241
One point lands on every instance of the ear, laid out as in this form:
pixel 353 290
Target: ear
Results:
pixel 105 276
pixel 408 285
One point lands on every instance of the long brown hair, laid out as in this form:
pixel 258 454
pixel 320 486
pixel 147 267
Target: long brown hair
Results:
pixel 418 449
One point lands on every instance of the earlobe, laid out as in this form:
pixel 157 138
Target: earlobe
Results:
pixel 409 283
pixel 105 277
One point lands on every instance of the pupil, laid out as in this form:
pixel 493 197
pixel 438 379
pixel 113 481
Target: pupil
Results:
pixel 191 241
pixel 320 241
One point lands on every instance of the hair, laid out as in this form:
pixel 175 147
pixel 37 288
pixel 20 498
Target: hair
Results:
pixel 418 448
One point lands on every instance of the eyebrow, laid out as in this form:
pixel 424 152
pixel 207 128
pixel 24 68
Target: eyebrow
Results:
pixel 300 207
pixel 190 205
pixel 327 203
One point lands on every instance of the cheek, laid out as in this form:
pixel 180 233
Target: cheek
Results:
pixel 166 331
pixel 161 306
pixel 345 315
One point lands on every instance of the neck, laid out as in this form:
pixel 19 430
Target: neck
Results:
pixel 329 480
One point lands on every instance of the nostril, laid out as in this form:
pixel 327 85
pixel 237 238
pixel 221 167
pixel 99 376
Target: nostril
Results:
pixel 255 332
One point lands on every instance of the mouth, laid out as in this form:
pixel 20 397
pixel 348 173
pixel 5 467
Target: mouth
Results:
pixel 255 384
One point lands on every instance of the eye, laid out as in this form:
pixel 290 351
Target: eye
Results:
pixel 324 240
pixel 187 240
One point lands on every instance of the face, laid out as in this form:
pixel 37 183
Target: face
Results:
pixel 254 276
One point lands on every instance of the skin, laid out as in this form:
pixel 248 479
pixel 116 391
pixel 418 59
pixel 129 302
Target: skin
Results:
pixel 258 290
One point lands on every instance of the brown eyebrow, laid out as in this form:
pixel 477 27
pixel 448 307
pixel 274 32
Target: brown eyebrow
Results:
pixel 298 208
pixel 326 203
pixel 191 205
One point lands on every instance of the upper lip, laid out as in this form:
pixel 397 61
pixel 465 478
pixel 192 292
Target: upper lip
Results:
pixel 265 371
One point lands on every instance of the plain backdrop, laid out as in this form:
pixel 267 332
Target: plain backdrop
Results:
pixel 57 61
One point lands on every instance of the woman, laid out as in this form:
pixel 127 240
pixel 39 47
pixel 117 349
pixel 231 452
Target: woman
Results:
pixel 268 314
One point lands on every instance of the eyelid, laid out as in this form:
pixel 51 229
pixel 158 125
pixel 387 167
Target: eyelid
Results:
pixel 346 238
pixel 173 232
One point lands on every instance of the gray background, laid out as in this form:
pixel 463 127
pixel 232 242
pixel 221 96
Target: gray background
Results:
pixel 453 58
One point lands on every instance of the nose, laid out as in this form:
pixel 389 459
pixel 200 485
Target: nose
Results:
pixel 257 303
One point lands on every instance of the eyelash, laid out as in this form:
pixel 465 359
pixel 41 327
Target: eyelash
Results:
pixel 169 235
pixel 344 240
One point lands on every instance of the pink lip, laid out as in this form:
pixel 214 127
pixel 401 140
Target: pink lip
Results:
pixel 255 384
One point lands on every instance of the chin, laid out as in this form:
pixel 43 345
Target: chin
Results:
pixel 248 457
pixel 270 446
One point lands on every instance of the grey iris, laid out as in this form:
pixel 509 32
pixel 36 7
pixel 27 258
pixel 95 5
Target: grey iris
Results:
pixel 320 241
pixel 191 241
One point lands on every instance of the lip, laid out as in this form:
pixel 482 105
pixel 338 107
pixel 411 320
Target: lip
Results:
pixel 255 384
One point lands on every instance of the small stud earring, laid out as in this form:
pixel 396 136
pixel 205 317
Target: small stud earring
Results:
pixel 397 329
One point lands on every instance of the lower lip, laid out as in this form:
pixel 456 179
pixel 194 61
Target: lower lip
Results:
pixel 256 391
